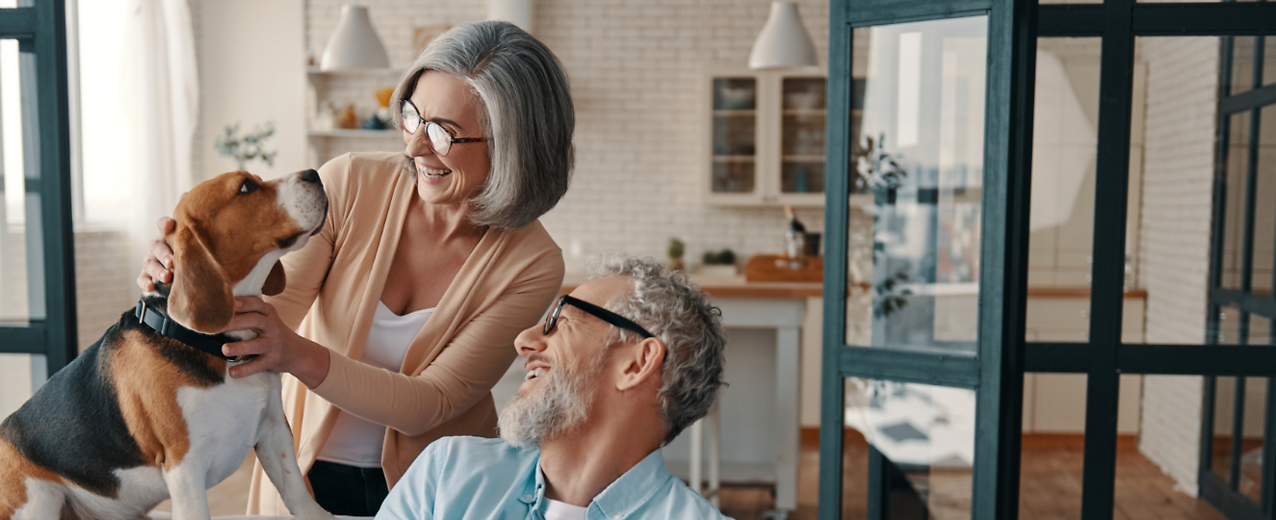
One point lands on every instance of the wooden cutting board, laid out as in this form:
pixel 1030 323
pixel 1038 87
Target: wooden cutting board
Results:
pixel 778 268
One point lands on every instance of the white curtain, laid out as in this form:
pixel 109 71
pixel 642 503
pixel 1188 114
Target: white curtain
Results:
pixel 160 86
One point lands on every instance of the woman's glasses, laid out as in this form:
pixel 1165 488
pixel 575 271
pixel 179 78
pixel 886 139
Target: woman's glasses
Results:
pixel 601 313
pixel 439 139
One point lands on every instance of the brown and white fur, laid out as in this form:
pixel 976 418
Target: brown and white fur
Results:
pixel 138 417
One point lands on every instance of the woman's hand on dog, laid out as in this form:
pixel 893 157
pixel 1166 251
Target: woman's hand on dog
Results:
pixel 157 266
pixel 277 347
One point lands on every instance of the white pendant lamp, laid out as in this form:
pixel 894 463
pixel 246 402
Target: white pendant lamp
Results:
pixel 355 44
pixel 517 12
pixel 783 42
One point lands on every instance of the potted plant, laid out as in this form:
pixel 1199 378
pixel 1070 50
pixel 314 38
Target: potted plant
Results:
pixel 719 263
pixel 676 250
pixel 250 146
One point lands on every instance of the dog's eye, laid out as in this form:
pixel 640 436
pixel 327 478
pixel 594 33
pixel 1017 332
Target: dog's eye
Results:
pixel 248 186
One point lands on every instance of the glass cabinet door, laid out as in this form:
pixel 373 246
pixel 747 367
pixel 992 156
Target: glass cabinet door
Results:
pixel 802 135
pixel 735 125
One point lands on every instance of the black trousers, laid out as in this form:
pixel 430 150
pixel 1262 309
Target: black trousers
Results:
pixel 348 490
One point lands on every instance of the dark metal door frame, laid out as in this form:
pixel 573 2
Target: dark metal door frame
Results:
pixel 996 370
pixel 1003 355
pixel 1226 495
pixel 40 28
pixel 1104 358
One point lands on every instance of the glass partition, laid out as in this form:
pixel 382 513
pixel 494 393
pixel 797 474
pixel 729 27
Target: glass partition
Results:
pixel 921 441
pixel 919 162
pixel 21 244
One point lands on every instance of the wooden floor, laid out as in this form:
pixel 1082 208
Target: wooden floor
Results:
pixel 230 497
pixel 1050 490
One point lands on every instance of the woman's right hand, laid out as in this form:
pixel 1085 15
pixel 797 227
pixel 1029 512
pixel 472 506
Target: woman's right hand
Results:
pixel 157 266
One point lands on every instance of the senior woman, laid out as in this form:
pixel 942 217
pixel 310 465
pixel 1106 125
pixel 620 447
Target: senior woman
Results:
pixel 430 262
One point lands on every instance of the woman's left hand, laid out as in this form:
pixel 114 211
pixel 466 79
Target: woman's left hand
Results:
pixel 277 347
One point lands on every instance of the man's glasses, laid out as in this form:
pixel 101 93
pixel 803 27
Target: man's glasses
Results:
pixel 601 313
pixel 438 138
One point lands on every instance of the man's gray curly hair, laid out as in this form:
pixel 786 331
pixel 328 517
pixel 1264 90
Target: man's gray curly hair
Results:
pixel 670 306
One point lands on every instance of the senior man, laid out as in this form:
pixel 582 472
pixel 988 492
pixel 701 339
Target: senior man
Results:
pixel 605 389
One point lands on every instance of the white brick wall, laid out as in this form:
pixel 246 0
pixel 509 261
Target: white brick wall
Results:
pixel 638 165
pixel 104 282
pixel 1175 237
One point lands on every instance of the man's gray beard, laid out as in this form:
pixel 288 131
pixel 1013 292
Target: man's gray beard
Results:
pixel 559 405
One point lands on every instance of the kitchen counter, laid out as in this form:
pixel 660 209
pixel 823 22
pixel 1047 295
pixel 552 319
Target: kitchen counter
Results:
pixel 737 287
pixel 730 287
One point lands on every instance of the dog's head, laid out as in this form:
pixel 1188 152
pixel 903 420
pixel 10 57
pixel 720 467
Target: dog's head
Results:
pixel 231 231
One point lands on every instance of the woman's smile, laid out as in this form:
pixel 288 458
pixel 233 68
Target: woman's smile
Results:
pixel 432 173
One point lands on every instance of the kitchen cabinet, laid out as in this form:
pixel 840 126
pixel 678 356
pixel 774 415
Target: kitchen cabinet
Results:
pixel 764 137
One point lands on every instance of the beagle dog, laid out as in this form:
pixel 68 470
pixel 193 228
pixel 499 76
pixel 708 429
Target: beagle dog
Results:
pixel 149 412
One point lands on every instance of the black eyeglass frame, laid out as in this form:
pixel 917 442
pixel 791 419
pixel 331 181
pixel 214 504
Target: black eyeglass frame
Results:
pixel 419 122
pixel 598 312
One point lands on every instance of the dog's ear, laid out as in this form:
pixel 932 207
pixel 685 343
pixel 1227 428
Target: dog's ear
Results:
pixel 275 281
pixel 201 298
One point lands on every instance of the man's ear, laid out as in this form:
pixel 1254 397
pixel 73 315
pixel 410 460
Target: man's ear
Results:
pixel 275 281
pixel 201 298
pixel 642 364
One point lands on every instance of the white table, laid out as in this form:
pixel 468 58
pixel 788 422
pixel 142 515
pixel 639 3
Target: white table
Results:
pixel 785 315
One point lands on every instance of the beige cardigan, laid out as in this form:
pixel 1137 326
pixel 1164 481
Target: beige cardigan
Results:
pixel 444 387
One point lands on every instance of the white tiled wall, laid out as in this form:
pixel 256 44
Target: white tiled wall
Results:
pixel 1174 264
pixel 635 70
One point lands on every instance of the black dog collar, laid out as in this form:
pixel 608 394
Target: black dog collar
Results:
pixel 210 344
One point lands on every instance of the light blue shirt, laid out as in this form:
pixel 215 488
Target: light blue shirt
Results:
pixel 477 478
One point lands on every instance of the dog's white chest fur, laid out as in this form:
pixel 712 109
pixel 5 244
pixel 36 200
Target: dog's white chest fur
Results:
pixel 224 421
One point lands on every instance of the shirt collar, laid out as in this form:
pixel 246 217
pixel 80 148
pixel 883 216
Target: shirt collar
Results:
pixel 620 498
pixel 633 489
pixel 534 490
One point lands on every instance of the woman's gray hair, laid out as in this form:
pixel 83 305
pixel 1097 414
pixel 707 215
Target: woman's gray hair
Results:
pixel 528 116
pixel 670 306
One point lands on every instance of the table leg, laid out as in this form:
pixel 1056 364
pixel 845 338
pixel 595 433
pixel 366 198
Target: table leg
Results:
pixel 697 455
pixel 787 383
pixel 715 454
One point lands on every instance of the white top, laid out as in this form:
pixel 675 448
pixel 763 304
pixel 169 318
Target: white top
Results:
pixel 555 510
pixel 354 441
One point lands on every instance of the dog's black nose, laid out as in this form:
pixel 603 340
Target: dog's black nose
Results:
pixel 310 176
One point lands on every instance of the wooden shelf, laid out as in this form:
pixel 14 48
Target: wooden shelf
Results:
pixel 735 112
pixel 812 112
pixel 803 158
pixel 1076 292
pixel 734 158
